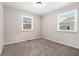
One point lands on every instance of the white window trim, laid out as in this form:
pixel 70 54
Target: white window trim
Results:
pixel 25 23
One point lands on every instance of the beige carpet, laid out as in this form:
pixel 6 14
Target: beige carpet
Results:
pixel 38 47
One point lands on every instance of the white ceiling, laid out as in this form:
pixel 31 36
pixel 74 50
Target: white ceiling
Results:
pixel 30 7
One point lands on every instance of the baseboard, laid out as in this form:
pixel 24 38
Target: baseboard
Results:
pixel 62 43
pixel 19 41
pixel 43 38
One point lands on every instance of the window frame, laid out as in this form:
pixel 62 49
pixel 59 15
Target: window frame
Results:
pixel 27 23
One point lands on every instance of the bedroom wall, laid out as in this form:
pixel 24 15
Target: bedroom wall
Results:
pixel 50 28
pixel 1 28
pixel 13 26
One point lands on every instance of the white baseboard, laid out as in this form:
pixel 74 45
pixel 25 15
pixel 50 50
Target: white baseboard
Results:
pixel 19 41
pixel 47 39
pixel 62 43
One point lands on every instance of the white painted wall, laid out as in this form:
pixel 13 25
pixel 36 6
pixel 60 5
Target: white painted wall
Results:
pixel 50 32
pixel 1 27
pixel 13 26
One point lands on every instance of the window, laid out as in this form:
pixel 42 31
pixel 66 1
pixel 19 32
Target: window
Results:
pixel 27 23
pixel 67 21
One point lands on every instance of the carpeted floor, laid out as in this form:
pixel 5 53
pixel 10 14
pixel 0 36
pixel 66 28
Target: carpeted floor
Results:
pixel 39 47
